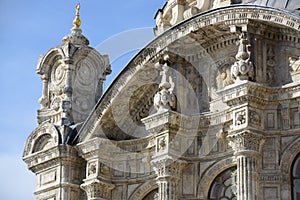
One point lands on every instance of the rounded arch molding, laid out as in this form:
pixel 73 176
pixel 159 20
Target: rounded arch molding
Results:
pixel 289 156
pixel 239 14
pixel 210 175
pixel 143 190
pixel 45 131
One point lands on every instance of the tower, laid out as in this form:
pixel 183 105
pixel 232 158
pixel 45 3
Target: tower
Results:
pixel 72 74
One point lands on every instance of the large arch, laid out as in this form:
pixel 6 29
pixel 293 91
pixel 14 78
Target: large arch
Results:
pixel 289 156
pixel 295 176
pixel 237 14
pixel 143 190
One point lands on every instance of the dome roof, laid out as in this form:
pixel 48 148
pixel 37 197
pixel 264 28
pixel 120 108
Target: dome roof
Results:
pixel 291 5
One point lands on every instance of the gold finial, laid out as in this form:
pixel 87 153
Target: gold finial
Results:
pixel 76 21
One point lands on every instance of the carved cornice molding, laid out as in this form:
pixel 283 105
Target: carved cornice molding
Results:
pixel 247 91
pixel 162 121
pixel 274 178
pixel 51 157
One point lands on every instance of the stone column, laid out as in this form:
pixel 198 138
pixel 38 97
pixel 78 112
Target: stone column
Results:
pixel 44 100
pixel 168 175
pixel 164 126
pixel 246 145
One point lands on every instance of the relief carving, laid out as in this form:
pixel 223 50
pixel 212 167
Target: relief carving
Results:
pixel 92 168
pixel 271 65
pixel 240 118
pixel 224 77
pixel 254 118
pixel 294 63
pixel 161 144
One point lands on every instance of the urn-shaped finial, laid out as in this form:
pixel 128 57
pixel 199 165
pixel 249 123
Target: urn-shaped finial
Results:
pixel 243 69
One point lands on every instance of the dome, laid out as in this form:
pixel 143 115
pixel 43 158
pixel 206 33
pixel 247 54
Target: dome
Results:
pixel 174 12
pixel 290 5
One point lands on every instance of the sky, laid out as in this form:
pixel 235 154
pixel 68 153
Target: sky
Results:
pixel 30 28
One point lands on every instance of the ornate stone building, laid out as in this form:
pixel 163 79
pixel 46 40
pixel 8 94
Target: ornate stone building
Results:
pixel 210 109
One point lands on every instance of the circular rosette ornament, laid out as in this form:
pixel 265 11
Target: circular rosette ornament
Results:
pixel 243 67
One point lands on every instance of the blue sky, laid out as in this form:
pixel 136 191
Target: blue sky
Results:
pixel 30 28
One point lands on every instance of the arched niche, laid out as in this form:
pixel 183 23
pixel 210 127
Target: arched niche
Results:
pixel 43 137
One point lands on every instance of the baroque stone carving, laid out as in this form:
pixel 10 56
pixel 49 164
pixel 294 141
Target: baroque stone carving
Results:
pixel 240 118
pixel 254 118
pixel 294 63
pixel 245 141
pixel 162 143
pixel 243 69
pixel 96 189
pixel 271 65
pixel 164 99
pixel 92 168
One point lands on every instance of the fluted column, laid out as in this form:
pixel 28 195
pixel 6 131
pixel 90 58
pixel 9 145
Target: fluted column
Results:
pixel 164 126
pixel 246 146
pixel 168 175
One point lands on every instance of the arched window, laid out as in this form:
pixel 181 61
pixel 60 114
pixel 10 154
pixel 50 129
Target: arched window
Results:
pixel 296 178
pixel 224 186
pixel 153 195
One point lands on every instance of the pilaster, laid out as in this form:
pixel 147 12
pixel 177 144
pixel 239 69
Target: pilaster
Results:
pixel 164 126
pixel 246 145
pixel 98 177
pixel 58 172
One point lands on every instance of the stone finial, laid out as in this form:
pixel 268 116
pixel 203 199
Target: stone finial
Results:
pixel 76 36
pixel 164 99
pixel 76 21
pixel 243 69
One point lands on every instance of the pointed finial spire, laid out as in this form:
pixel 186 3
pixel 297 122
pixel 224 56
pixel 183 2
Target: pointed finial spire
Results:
pixel 76 36
pixel 76 21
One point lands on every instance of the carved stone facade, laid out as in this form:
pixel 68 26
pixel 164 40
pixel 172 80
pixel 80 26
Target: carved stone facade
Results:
pixel 210 109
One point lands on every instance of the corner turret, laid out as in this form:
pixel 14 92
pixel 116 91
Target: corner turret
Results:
pixel 72 75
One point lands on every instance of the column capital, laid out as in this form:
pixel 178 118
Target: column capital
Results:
pixel 168 167
pixel 245 142
pixel 97 189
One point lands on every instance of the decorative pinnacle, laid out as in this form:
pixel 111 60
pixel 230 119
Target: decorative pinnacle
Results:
pixel 76 21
